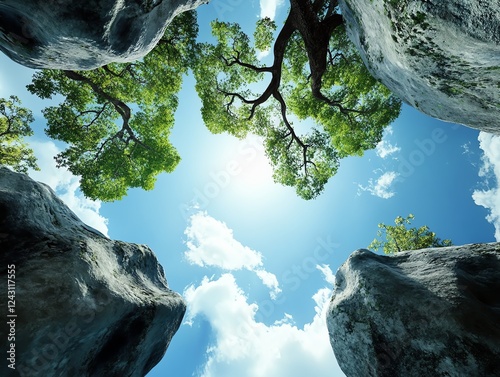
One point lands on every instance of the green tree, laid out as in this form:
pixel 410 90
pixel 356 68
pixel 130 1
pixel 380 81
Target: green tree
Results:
pixel 316 74
pixel 398 237
pixel 14 126
pixel 117 119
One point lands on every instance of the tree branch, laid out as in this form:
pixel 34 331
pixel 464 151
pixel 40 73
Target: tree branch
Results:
pixel 97 112
pixel 121 107
pixel 236 60
pixel 128 68
pixel 277 95
pixel 9 125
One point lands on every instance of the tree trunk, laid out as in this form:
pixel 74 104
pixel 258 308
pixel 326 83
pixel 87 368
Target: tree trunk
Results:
pixel 316 35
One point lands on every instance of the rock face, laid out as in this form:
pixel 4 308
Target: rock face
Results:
pixel 431 312
pixel 67 34
pixel 84 305
pixel 440 56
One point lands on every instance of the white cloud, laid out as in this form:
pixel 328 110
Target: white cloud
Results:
pixel 268 8
pixel 287 318
pixel 385 149
pixel 491 158
pixel 66 185
pixel 270 281
pixel 327 273
pixel 490 198
pixel 211 243
pixel 382 187
pixel 262 54
pixel 248 348
pixel 466 148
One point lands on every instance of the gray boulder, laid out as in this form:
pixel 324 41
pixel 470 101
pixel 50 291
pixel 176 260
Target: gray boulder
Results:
pixel 431 312
pixel 440 56
pixel 72 35
pixel 84 305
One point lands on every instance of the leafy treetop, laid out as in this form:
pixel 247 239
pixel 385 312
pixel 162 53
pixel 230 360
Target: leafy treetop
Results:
pixel 398 237
pixel 117 118
pixel 316 74
pixel 14 126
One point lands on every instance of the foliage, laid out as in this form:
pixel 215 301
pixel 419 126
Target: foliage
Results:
pixel 263 34
pixel 354 108
pixel 14 125
pixel 117 118
pixel 398 237
pixel 313 78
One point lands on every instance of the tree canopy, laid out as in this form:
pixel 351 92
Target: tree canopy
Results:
pixel 117 118
pixel 316 74
pixel 14 126
pixel 398 237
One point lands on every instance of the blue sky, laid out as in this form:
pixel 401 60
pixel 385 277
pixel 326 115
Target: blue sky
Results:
pixel 256 263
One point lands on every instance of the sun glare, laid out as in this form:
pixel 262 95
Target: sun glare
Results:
pixel 254 171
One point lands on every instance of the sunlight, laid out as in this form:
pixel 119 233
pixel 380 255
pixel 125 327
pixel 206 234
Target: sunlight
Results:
pixel 254 171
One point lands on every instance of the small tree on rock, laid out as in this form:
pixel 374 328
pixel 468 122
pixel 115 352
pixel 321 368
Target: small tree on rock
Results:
pixel 399 238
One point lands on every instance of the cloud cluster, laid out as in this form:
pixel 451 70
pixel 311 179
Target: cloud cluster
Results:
pixel 211 243
pixel 268 8
pixel 244 345
pixel 490 170
pixel 248 348
pixel 66 186
pixel 384 149
pixel 382 187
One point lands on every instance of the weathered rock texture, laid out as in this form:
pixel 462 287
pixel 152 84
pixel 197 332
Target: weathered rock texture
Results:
pixel 432 312
pixel 440 56
pixel 68 34
pixel 85 305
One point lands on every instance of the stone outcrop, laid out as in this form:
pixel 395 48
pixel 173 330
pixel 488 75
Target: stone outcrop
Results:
pixel 440 56
pixel 68 34
pixel 84 305
pixel 430 312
